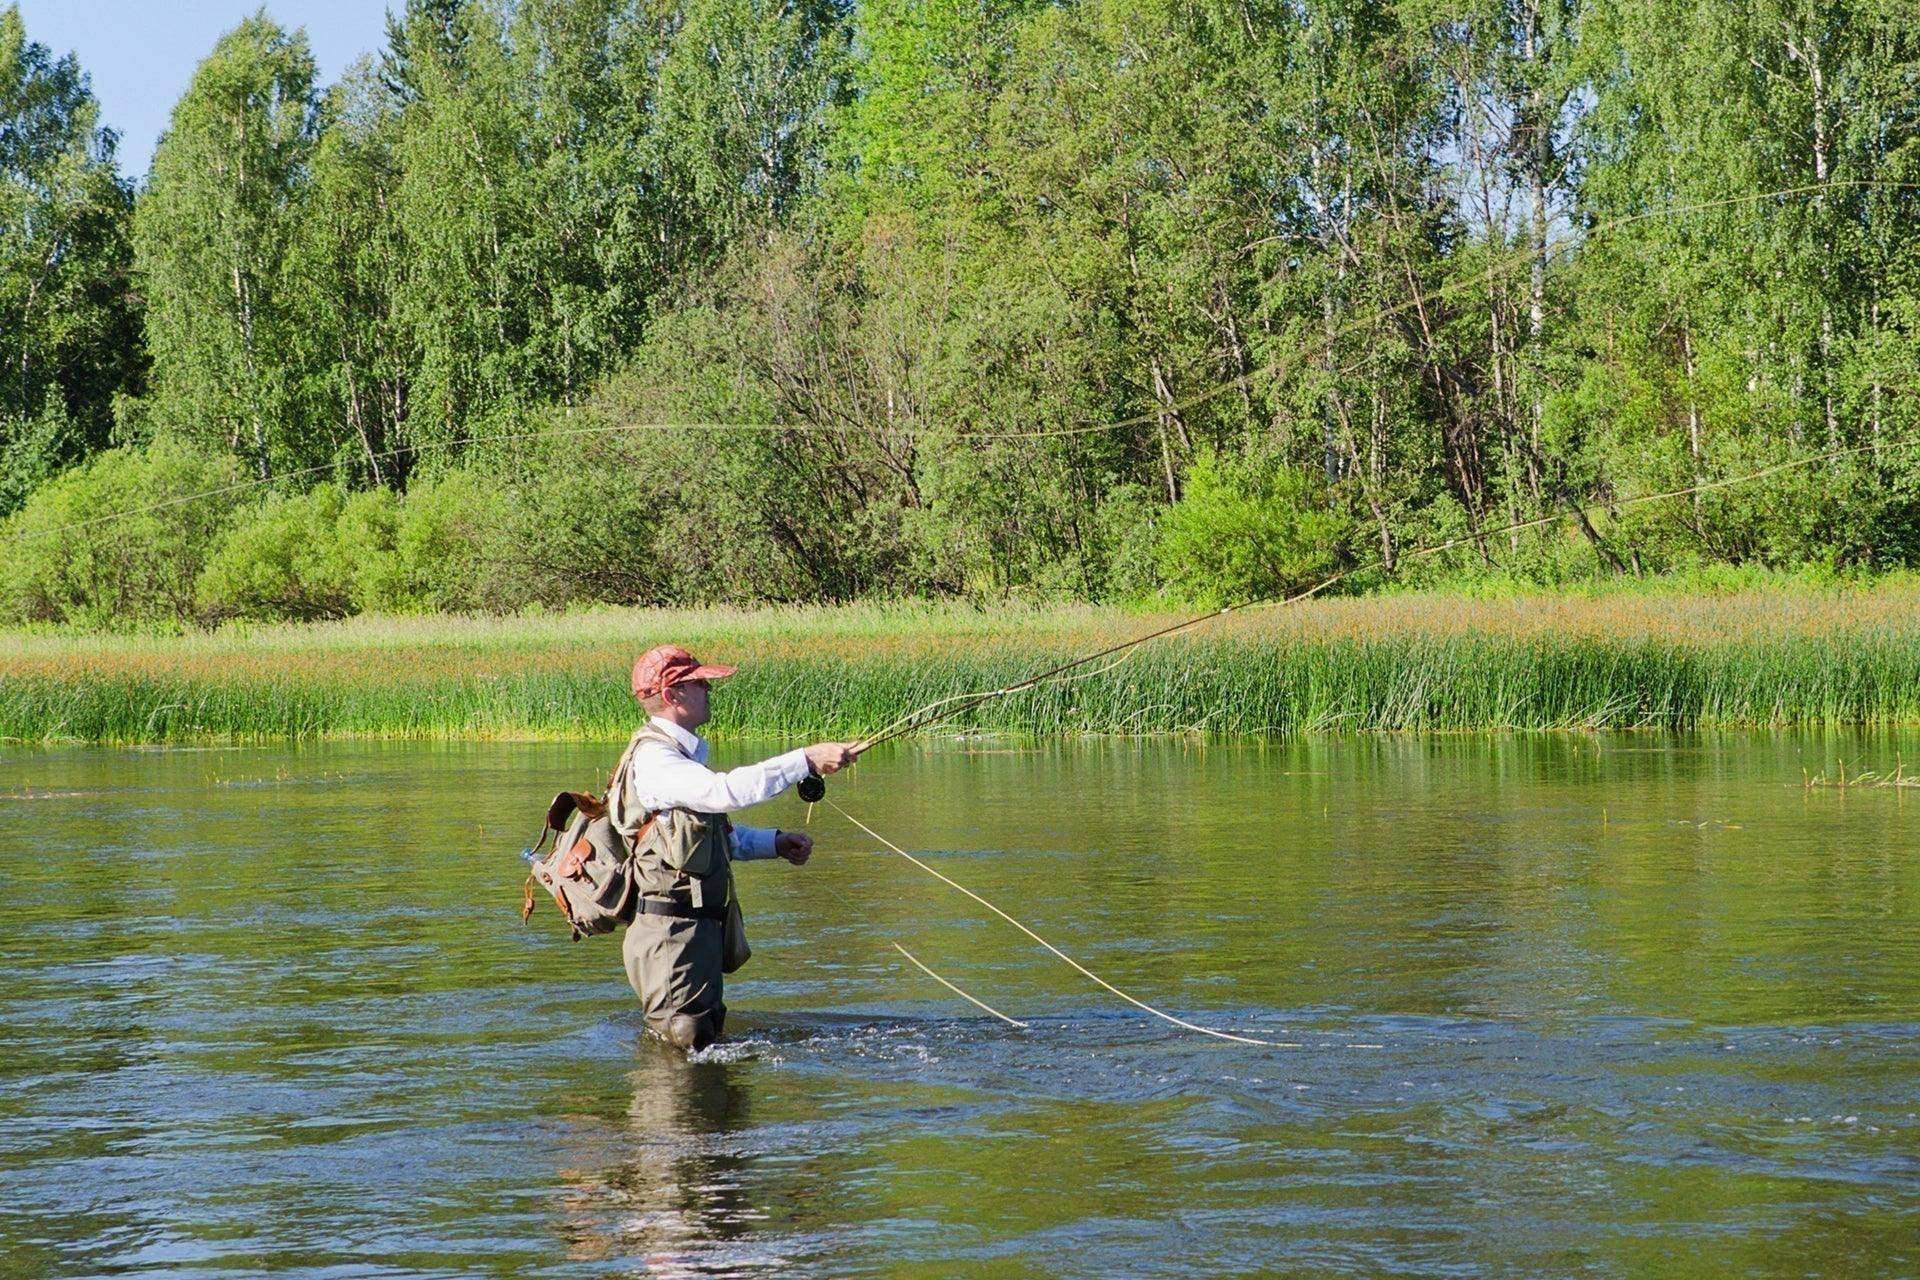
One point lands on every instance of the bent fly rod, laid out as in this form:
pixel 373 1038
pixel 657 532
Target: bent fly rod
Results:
pixel 942 709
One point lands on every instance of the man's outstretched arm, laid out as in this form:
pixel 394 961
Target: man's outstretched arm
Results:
pixel 662 778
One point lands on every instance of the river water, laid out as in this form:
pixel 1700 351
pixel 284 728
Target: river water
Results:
pixel 1566 1005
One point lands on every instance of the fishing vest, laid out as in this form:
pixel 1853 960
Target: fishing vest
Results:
pixel 679 855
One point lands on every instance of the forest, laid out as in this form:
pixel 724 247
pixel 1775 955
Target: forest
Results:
pixel 554 303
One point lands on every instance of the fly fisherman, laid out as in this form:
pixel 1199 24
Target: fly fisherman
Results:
pixel 686 930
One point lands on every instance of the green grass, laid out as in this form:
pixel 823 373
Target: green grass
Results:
pixel 1774 656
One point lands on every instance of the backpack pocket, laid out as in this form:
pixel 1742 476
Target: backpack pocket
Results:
pixel 591 877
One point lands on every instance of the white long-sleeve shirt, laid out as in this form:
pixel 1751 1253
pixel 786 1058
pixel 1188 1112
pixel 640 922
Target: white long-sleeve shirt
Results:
pixel 660 777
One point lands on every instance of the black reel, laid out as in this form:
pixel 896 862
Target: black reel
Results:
pixel 812 788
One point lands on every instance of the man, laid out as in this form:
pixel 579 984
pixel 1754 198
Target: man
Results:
pixel 673 808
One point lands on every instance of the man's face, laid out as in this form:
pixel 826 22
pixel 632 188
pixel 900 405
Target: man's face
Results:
pixel 689 698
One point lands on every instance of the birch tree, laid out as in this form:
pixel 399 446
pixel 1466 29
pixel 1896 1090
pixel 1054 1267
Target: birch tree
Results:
pixel 211 238
pixel 69 336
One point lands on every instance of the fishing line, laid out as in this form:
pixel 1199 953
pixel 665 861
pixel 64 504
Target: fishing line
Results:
pixel 1013 1022
pixel 1130 999
pixel 1513 258
pixel 946 708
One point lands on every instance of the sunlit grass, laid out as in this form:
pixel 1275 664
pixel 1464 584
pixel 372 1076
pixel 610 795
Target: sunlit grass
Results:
pixel 1793 656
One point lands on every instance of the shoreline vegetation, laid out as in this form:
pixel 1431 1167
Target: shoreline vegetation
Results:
pixel 1657 658
pixel 548 305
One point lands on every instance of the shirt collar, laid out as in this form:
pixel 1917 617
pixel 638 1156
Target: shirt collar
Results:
pixel 690 742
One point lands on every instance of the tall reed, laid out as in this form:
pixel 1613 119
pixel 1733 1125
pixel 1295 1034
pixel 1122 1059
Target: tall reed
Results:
pixel 1411 662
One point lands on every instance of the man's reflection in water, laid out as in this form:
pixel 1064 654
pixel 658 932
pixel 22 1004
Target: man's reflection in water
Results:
pixel 667 1197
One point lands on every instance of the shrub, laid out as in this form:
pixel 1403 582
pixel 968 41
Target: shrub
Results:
pixel 119 540
pixel 368 532
pixel 301 556
pixel 446 527
pixel 583 532
pixel 1247 528
pixel 1126 535
pixel 31 450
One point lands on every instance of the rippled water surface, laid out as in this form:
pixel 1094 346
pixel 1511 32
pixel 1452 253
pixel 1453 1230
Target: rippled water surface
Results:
pixel 1642 1006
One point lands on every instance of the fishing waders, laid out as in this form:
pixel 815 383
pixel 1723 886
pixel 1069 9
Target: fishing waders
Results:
pixel 669 879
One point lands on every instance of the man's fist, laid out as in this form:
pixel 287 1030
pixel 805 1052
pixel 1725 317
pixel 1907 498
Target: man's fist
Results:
pixel 830 757
pixel 795 846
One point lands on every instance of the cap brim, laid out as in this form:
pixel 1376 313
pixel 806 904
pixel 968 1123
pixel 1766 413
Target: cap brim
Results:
pixel 710 671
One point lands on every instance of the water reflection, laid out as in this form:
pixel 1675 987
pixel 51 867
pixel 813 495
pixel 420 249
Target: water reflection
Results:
pixel 1640 999
pixel 669 1195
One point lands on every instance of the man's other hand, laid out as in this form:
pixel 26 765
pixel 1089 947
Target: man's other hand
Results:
pixel 795 846
pixel 830 757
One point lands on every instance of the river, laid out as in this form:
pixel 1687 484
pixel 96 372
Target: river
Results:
pixel 1564 1005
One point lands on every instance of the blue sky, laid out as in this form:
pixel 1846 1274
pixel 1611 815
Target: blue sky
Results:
pixel 141 53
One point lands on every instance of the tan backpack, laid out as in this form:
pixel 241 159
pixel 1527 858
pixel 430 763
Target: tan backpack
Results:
pixel 590 873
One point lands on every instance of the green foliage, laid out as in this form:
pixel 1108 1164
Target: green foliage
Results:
pixel 32 449
pixel 348 257
pixel 441 542
pixel 118 541
pixel 995 298
pixel 212 235
pixel 69 329
pixel 286 558
pixel 1245 530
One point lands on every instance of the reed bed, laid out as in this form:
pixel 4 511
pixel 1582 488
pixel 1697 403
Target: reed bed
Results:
pixel 1416 662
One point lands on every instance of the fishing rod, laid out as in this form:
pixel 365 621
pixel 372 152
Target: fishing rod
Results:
pixel 943 709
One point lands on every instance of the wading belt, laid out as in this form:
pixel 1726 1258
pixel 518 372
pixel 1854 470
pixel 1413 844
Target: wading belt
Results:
pixel 681 909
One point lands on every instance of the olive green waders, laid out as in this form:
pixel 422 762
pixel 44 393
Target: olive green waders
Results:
pixel 674 966
pixel 676 950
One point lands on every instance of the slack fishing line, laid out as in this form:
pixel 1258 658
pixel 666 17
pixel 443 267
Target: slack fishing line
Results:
pixel 1138 1003
pixel 946 708
pixel 1275 368
pixel 919 964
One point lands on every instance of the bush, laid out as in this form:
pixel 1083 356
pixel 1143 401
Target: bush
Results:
pixel 319 554
pixel 1247 528
pixel 369 532
pixel 1126 536
pixel 446 528
pixel 583 532
pixel 31 451
pixel 119 540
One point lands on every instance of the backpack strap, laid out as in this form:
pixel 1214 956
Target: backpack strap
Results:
pixel 616 807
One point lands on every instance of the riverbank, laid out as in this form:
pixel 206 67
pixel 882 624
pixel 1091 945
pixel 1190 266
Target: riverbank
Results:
pixel 1790 656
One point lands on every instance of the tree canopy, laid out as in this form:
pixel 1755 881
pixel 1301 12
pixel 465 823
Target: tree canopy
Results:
pixel 827 298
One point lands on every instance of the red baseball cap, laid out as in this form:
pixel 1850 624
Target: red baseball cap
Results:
pixel 663 666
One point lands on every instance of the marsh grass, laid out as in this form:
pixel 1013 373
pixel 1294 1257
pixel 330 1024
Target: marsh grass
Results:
pixel 1423 662
pixel 1841 779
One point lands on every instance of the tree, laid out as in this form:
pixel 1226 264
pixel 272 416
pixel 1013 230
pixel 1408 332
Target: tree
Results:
pixel 71 328
pixel 740 122
pixel 346 264
pixel 212 235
